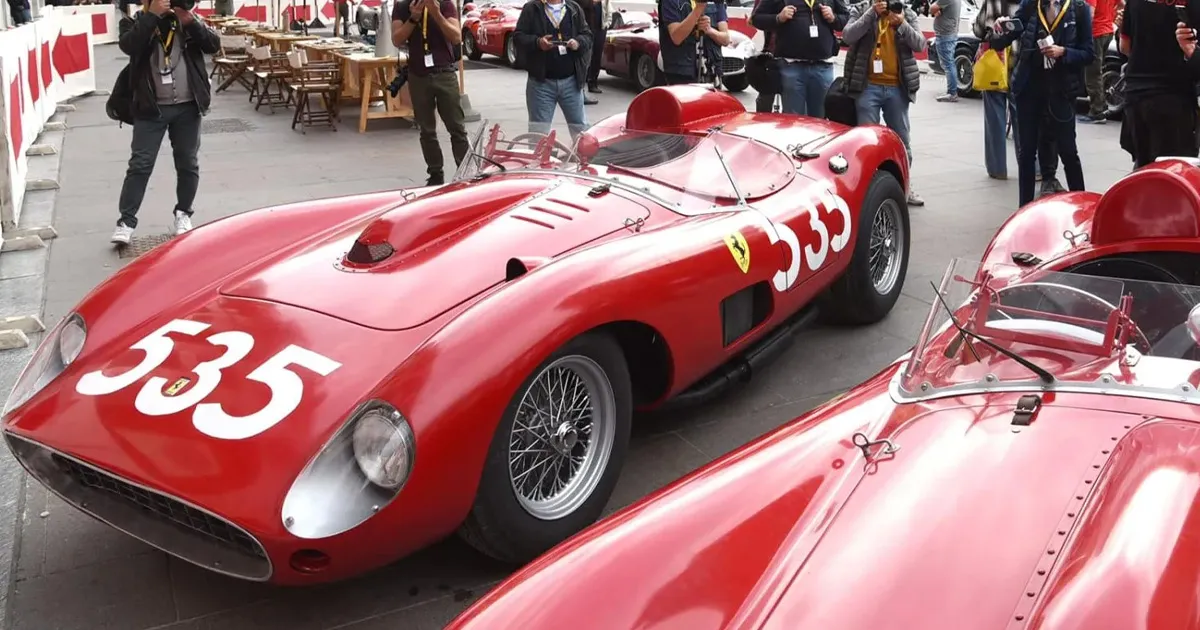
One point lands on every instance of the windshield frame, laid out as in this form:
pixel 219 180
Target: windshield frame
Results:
pixel 1113 367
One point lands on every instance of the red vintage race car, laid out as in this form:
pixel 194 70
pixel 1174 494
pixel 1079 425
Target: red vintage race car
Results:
pixel 487 29
pixel 632 52
pixel 1033 462
pixel 232 409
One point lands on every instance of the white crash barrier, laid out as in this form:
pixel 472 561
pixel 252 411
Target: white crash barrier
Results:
pixel 41 65
pixel 282 12
pixel 104 20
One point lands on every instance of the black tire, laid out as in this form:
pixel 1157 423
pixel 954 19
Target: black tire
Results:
pixel 853 298
pixel 470 46
pixel 498 525
pixel 736 82
pixel 642 75
pixel 964 71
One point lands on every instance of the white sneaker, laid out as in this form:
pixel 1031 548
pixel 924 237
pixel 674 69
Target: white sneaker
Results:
pixel 914 199
pixel 183 222
pixel 122 235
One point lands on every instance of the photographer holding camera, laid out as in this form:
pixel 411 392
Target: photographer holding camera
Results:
pixel 1160 80
pixel 691 34
pixel 1055 47
pixel 805 45
pixel 431 29
pixel 881 72
pixel 170 90
pixel 557 45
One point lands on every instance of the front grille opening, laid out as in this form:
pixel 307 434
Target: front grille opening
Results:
pixel 362 254
pixel 162 507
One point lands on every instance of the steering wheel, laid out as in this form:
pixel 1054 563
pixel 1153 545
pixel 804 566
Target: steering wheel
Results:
pixel 1039 299
pixel 558 150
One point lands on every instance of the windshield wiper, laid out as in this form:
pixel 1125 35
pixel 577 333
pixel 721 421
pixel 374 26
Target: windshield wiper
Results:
pixel 1033 367
pixel 741 201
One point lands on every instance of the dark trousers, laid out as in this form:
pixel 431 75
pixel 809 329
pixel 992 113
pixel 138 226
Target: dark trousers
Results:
pixel 436 96
pixel 764 102
pixel 599 36
pixel 678 79
pixel 1046 159
pixel 1159 125
pixel 1093 76
pixel 181 123
pixel 1044 115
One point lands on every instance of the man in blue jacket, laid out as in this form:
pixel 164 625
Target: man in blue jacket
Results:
pixel 1055 39
pixel 684 26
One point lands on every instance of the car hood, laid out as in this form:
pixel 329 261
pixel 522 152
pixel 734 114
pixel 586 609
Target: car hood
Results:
pixel 445 248
pixel 960 528
pixel 243 479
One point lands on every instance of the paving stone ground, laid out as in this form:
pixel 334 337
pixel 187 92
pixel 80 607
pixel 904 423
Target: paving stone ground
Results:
pixel 67 572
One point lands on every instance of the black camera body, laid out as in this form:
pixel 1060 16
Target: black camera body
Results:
pixel 398 81
pixel 186 5
pixel 896 6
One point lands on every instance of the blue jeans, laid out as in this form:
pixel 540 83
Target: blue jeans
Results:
pixel 995 128
pixel 804 87
pixel 893 100
pixel 945 51
pixel 542 96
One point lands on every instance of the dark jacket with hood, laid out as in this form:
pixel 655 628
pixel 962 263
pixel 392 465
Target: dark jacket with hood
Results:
pixel 138 36
pixel 861 34
pixel 1073 33
pixel 533 25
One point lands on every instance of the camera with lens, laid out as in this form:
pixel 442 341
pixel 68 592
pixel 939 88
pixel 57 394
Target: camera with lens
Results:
pixel 398 83
pixel 186 5
pixel 896 6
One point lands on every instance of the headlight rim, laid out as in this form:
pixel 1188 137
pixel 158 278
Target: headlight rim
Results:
pixel 396 421
pixel 47 352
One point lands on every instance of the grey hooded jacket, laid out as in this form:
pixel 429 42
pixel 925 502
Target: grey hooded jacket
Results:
pixel 860 36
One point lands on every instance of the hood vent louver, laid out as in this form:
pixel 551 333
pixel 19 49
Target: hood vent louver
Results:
pixel 363 254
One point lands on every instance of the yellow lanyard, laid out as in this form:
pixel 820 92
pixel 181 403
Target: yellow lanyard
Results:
pixel 810 4
pixel 425 29
pixel 166 47
pixel 556 23
pixel 1062 11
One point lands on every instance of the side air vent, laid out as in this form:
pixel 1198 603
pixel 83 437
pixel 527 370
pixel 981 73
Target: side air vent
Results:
pixel 363 254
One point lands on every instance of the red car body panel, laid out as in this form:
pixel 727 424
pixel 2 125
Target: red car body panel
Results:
pixel 491 23
pixel 420 330
pixel 1085 519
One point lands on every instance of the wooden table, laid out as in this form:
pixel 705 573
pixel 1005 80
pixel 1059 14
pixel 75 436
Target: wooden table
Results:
pixel 328 50
pixel 282 42
pixel 369 76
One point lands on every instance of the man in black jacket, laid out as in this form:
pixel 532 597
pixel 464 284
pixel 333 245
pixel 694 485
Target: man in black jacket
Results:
pixel 556 43
pixel 805 47
pixel 171 91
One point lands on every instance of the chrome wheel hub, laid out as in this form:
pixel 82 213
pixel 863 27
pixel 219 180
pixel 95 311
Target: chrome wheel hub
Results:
pixel 887 247
pixel 564 439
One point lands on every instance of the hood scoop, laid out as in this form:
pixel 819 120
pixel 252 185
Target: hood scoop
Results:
pixel 415 262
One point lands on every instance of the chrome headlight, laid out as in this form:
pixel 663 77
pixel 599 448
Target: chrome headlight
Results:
pixel 356 474
pixel 58 349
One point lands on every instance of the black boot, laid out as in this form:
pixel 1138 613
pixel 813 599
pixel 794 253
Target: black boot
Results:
pixel 594 88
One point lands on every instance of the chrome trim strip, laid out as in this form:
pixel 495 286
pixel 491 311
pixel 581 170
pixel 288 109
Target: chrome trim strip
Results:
pixel 900 396
pixel 167 537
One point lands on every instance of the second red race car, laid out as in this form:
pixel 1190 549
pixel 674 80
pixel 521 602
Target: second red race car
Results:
pixel 1033 463
pixel 355 378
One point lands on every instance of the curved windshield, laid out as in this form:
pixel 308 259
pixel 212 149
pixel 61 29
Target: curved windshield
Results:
pixel 687 172
pixel 1085 331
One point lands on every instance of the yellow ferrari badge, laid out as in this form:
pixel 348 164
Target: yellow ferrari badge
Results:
pixel 176 386
pixel 740 250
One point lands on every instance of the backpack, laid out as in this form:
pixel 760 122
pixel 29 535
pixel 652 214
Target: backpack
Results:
pixel 120 102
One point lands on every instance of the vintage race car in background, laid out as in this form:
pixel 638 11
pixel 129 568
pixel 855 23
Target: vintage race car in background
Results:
pixel 356 378
pixel 1033 462
pixel 632 52
pixel 487 29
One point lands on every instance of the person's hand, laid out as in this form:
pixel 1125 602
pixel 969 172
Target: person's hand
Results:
pixel 1054 52
pixel 999 26
pixel 160 7
pixel 572 44
pixel 895 19
pixel 185 16
pixel 1186 38
pixel 544 43
pixel 786 14
pixel 881 8
pixel 416 7
pixel 1118 18
pixel 704 24
pixel 934 10
pixel 827 13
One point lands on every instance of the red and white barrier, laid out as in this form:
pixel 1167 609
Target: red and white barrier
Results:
pixel 41 65
pixel 104 19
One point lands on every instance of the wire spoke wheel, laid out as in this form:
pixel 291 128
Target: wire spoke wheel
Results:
pixel 887 247
pixel 562 437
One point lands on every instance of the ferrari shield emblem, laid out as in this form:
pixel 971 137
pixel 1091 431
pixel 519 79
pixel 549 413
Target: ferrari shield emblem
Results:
pixel 176 386
pixel 740 250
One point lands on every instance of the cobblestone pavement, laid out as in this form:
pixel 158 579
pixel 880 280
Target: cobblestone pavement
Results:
pixel 69 572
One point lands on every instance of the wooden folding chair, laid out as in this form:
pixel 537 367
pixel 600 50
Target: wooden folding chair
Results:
pixel 230 63
pixel 270 69
pixel 321 79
